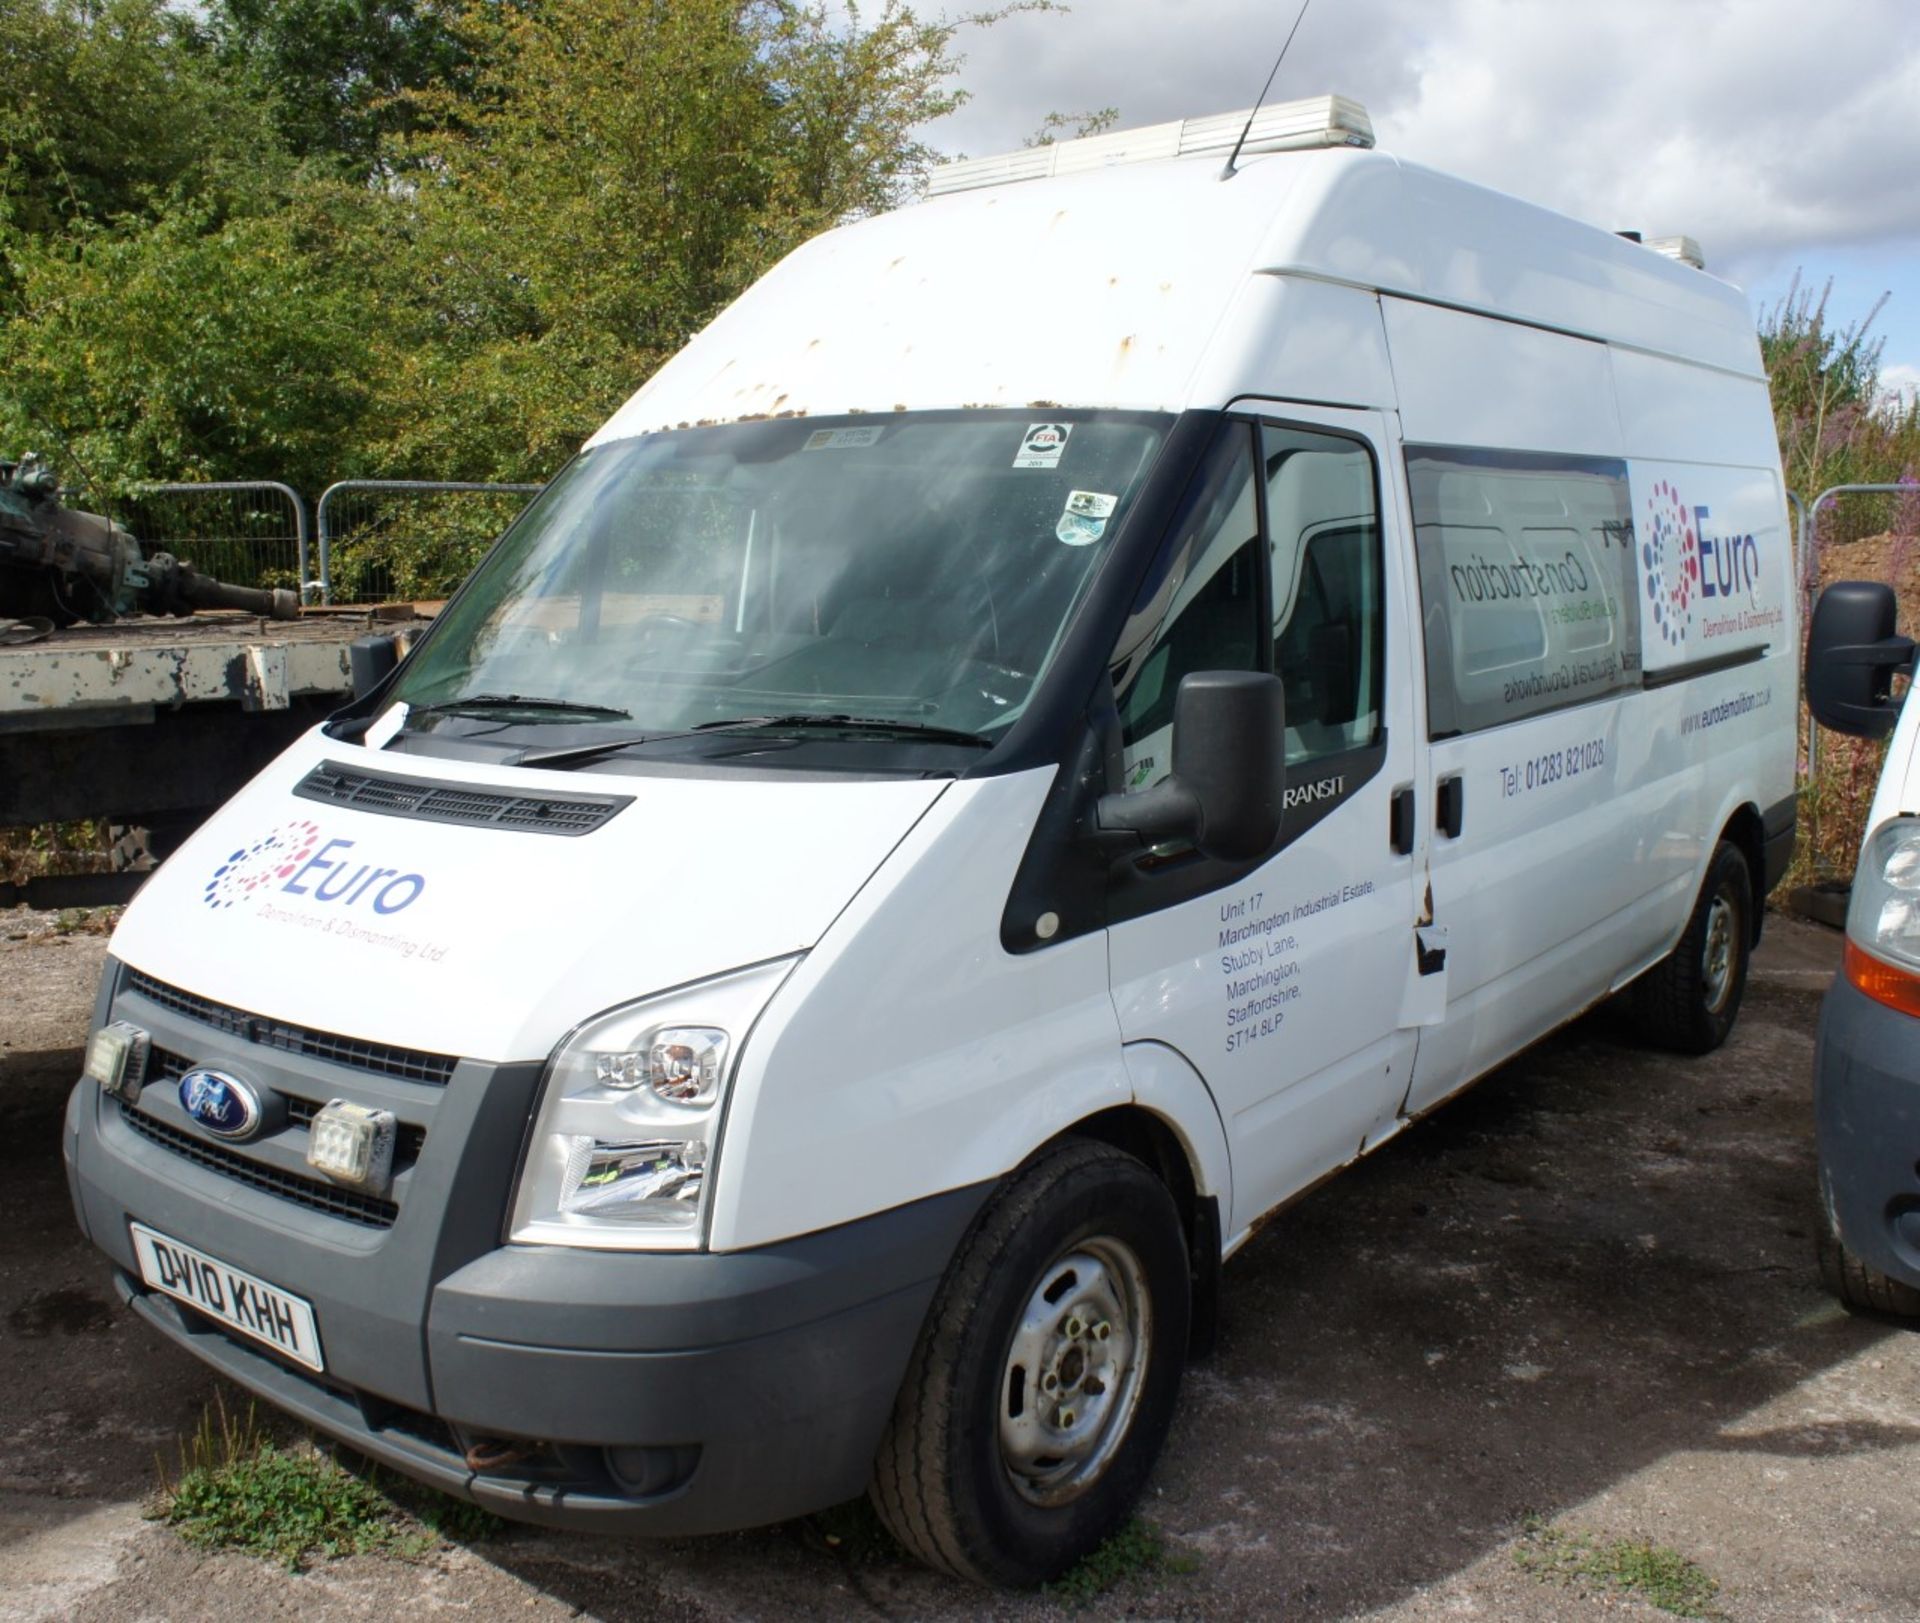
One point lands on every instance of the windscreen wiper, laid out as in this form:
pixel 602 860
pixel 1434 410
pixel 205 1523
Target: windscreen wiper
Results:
pixel 487 702
pixel 800 721
pixel 804 720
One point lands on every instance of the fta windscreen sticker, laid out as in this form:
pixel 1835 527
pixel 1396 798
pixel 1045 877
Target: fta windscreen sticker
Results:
pixel 1085 519
pixel 1042 445
pixel 841 439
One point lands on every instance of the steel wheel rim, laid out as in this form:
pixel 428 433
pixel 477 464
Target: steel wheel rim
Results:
pixel 1716 956
pixel 1071 1381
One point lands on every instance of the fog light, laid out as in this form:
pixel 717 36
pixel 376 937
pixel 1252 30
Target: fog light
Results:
pixel 117 1059
pixel 644 1472
pixel 353 1144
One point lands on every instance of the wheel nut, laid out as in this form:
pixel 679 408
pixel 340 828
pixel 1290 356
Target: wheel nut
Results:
pixel 1074 1328
pixel 1049 1383
pixel 1066 1417
pixel 1102 1330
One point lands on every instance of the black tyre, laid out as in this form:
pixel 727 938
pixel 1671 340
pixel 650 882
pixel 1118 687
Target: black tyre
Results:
pixel 1864 1289
pixel 1687 1002
pixel 1040 1392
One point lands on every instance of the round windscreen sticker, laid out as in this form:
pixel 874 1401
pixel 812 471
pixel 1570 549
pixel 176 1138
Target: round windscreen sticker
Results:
pixel 1085 519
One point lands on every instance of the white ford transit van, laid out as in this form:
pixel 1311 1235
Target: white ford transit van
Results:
pixel 1072 711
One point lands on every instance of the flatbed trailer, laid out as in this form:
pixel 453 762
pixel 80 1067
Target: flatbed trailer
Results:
pixel 153 722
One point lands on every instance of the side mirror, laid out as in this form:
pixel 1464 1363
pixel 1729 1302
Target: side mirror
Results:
pixel 1228 784
pixel 1853 653
pixel 370 659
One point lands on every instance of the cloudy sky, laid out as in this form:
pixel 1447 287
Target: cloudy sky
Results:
pixel 1783 135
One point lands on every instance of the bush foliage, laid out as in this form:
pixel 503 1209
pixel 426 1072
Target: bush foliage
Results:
pixel 316 239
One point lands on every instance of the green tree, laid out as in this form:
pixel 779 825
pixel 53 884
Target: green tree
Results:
pixel 110 107
pixel 336 73
pixel 192 347
pixel 618 171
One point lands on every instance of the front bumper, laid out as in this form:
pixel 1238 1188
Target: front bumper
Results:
pixel 661 1394
pixel 1866 1094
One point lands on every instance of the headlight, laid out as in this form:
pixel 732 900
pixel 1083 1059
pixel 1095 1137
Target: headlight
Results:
pixel 1884 915
pixel 629 1118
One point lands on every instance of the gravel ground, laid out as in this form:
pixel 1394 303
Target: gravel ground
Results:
pixel 1581 1293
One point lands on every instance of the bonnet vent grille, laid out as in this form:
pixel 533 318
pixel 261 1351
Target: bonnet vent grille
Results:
pixel 457 802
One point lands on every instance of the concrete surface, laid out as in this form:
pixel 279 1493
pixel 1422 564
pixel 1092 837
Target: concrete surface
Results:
pixel 1582 1292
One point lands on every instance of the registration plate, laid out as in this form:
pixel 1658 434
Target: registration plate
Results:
pixel 236 1298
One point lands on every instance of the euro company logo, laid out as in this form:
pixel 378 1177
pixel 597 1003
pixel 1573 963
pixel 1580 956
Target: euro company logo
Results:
pixel 1670 563
pixel 296 859
pixel 275 856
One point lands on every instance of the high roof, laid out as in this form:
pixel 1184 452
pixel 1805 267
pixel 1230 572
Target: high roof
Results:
pixel 1110 287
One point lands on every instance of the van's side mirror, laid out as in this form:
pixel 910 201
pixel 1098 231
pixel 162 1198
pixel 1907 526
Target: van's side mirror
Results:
pixel 1852 655
pixel 369 660
pixel 1228 783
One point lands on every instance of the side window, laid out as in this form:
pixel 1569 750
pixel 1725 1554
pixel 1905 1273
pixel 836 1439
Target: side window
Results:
pixel 1199 612
pixel 1526 583
pixel 1323 532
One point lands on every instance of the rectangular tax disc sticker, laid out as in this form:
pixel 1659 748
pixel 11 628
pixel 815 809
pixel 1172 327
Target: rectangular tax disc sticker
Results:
pixel 841 439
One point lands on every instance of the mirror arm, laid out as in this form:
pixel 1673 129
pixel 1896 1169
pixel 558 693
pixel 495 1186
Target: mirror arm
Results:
pixel 1890 653
pixel 1125 823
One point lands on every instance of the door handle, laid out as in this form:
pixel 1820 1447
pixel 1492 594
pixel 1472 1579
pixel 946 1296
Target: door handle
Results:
pixel 1450 805
pixel 1400 820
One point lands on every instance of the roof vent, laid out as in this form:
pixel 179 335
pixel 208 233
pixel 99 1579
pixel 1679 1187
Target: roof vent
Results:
pixel 1684 249
pixel 1318 121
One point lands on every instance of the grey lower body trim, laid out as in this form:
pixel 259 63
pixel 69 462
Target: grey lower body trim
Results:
pixel 653 1395
pixel 1777 825
pixel 1866 1097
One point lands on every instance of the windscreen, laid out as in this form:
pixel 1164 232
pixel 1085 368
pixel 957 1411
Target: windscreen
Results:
pixel 921 569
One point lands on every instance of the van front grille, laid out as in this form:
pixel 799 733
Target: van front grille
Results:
pixel 347 1204
pixel 382 1059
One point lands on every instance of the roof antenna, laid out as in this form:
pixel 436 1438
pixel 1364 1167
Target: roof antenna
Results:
pixel 1229 172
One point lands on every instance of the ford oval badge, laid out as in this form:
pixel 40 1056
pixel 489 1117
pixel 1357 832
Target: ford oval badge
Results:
pixel 223 1104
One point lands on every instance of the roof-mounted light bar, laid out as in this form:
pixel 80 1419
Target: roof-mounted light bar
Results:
pixel 1318 121
pixel 1684 249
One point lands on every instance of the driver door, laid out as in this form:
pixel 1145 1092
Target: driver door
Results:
pixel 1283 981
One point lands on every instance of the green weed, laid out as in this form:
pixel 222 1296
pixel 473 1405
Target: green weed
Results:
pixel 238 1489
pixel 1653 1573
pixel 1138 1550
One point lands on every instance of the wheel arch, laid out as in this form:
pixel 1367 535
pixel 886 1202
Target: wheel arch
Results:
pixel 1746 832
pixel 1159 1142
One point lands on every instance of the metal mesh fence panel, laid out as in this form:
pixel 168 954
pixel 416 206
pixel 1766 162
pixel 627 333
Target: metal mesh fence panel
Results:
pixel 408 540
pixel 247 534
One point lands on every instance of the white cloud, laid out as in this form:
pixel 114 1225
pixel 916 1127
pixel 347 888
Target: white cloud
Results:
pixel 1900 385
pixel 1760 127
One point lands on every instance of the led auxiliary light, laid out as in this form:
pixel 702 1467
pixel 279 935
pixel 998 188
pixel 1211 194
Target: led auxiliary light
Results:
pixel 353 1144
pixel 117 1059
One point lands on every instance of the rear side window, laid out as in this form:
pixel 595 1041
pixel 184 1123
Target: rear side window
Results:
pixel 1526 583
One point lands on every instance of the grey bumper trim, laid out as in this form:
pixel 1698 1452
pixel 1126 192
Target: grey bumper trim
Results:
pixel 1866 1099
pixel 774 1369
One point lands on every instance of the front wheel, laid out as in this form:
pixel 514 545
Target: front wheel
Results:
pixel 1687 1002
pixel 1859 1287
pixel 1044 1379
